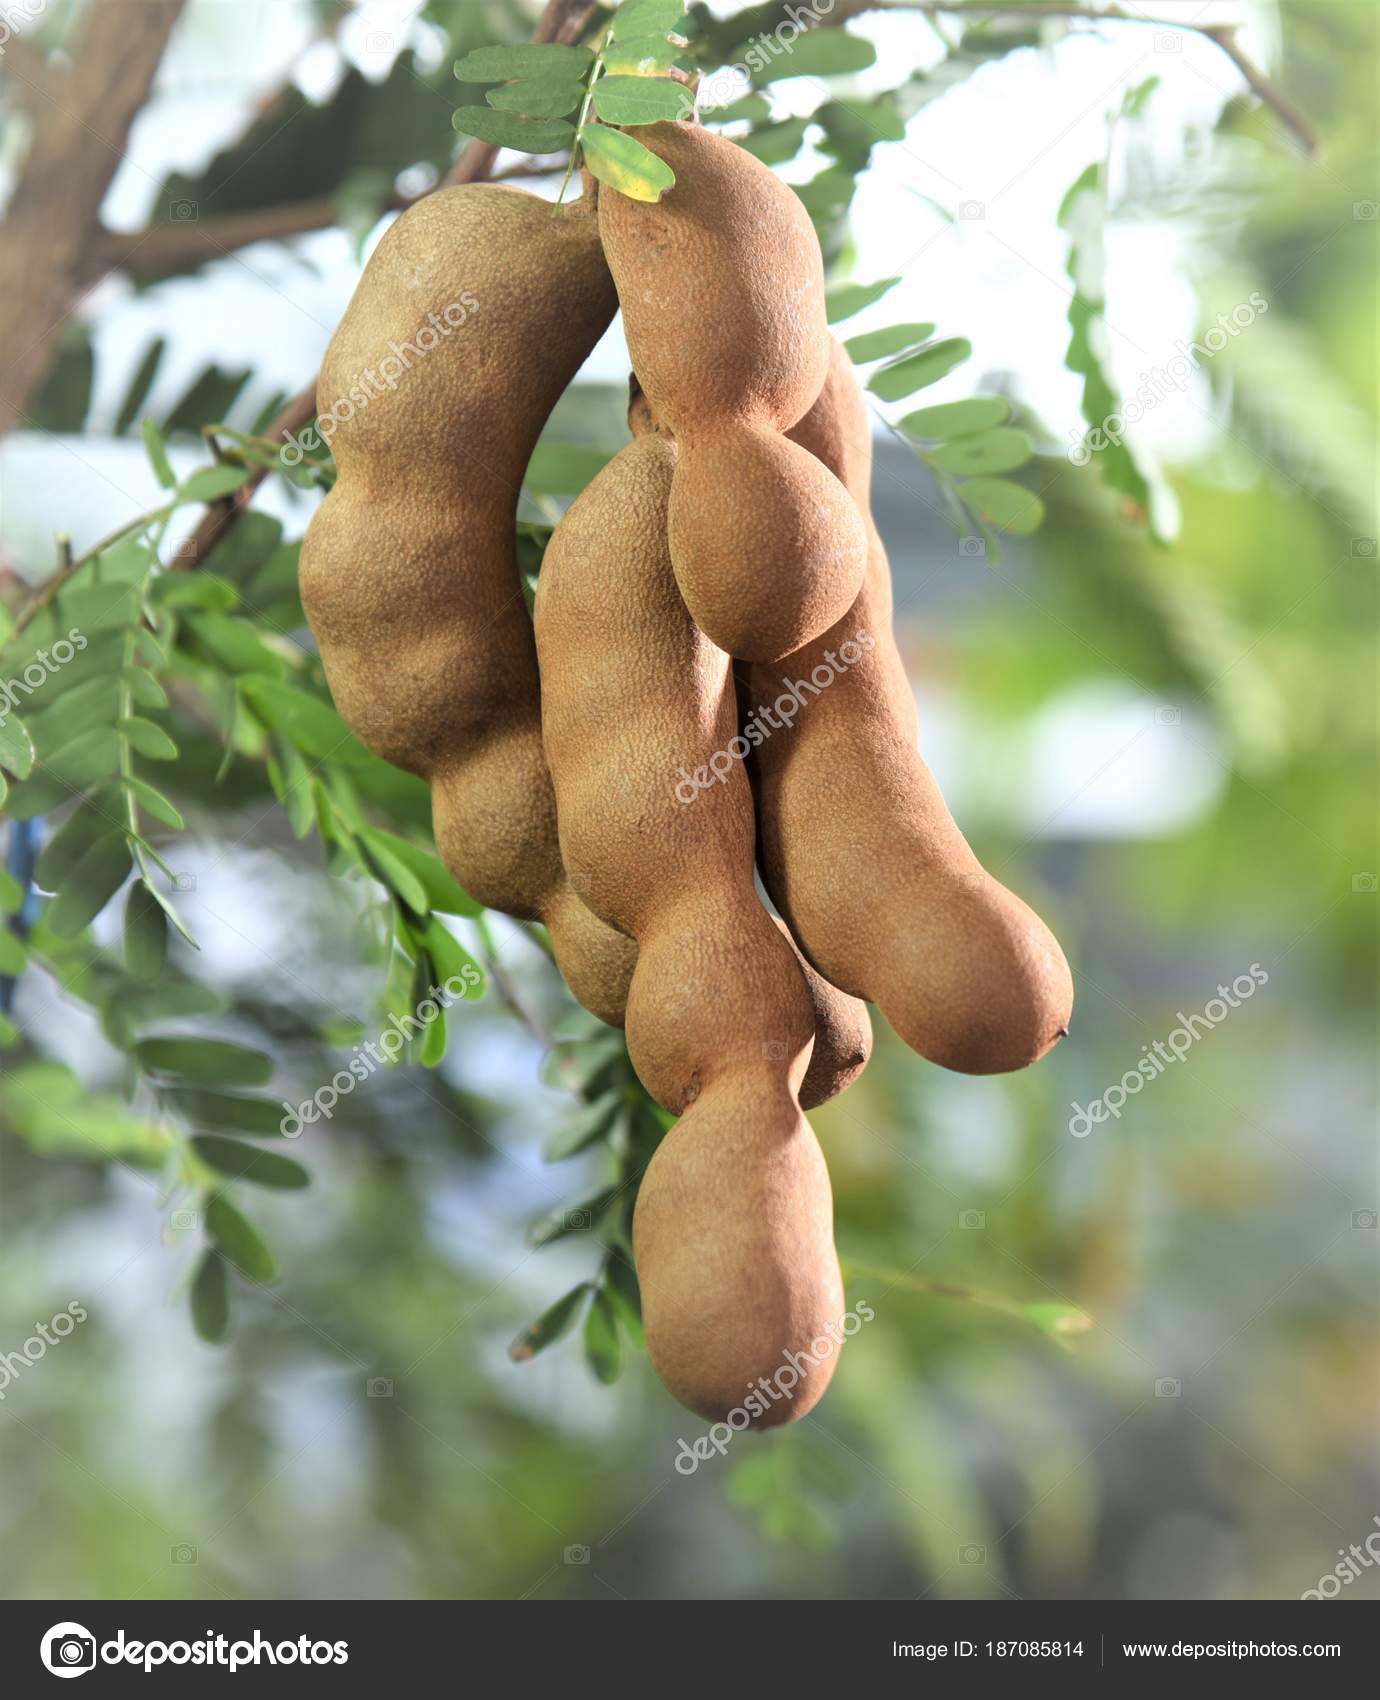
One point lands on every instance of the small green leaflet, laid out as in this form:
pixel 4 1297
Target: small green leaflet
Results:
pixel 641 100
pixel 158 454
pixel 1010 506
pixel 526 59
pixel 955 418
pixel 1125 468
pixel 640 55
pixel 88 887
pixel 817 53
pixel 549 1326
pixel 603 1349
pixel 1002 450
pixel 146 933
pixel 211 483
pixel 882 345
pixel 16 746
pixel 215 1061
pixel 537 99
pixel 240 1240
pixel 211 1299
pixel 774 144
pixel 508 130
pixel 241 1162
pixel 625 165
pixel 918 370
pixel 850 298
pixel 649 17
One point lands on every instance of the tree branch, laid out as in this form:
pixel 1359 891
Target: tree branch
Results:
pixel 81 119
pixel 1222 36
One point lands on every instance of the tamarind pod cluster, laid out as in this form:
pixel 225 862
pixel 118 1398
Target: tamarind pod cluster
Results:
pixel 733 1228
pixel 859 851
pixel 722 289
pixel 480 303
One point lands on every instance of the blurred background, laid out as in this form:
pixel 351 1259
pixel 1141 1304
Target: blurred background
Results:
pixel 1130 1359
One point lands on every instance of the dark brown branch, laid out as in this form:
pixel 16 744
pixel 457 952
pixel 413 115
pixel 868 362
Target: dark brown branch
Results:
pixel 81 118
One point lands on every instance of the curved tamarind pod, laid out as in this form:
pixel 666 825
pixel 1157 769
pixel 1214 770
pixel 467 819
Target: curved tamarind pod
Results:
pixel 722 289
pixel 859 851
pixel 732 1231
pixel 843 1035
pixel 474 312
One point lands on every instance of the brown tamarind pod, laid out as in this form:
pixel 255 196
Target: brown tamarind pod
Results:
pixel 843 1035
pixel 733 1227
pixel 473 314
pixel 859 851
pixel 722 288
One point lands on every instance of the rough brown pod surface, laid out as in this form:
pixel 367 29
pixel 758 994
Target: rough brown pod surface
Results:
pixel 859 850
pixel 733 1230
pixel 722 289
pixel 408 571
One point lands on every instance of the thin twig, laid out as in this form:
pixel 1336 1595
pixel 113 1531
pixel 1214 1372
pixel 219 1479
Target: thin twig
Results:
pixel 1222 36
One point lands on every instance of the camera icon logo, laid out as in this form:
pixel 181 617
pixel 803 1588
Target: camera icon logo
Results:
pixel 1168 1387
pixel 184 882
pixel 184 212
pixel 1168 41
pixel 972 211
pixel 378 41
pixel 1363 548
pixel 183 1221
pixel 972 1554
pixel 972 1218
pixel 972 546
pixel 1363 1218
pixel 1365 210
pixel 576 1555
pixel 1363 882
pixel 183 1555
pixel 579 1221
pixel 1168 716
pixel 378 1387
pixel 69 1649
